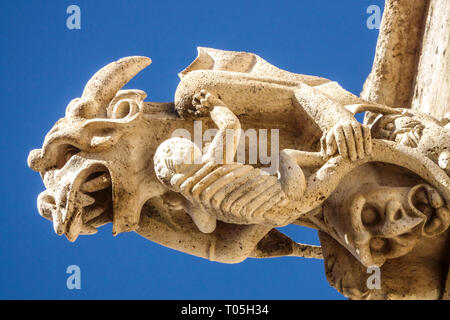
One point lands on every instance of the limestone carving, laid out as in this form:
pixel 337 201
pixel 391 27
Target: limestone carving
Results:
pixel 218 188
pixel 378 192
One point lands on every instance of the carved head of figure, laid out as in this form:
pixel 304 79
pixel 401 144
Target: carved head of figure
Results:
pixel 174 160
pixel 379 223
pixel 387 220
pixel 87 172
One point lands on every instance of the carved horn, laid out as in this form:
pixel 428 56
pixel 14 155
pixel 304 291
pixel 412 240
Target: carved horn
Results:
pixel 103 85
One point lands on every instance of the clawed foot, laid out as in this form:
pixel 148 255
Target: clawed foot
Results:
pixel 351 139
pixel 203 102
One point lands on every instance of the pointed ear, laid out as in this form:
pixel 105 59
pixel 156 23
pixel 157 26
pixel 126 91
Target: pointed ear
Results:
pixel 126 103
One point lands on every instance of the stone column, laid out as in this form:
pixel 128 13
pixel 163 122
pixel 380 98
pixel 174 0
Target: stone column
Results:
pixel 411 68
pixel 394 69
pixel 432 82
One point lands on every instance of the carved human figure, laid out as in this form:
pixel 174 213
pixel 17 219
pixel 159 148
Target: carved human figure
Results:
pixel 216 187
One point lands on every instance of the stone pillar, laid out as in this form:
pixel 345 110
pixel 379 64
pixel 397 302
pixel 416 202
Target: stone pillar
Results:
pixel 432 84
pixel 411 68
pixel 394 68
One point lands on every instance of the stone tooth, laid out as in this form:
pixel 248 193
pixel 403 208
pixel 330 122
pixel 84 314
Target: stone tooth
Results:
pixel 88 229
pixel 57 223
pixel 74 226
pixel 99 183
pixel 92 213
pixel 85 200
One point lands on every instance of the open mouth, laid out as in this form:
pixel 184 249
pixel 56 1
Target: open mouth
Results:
pixel 98 186
pixel 89 203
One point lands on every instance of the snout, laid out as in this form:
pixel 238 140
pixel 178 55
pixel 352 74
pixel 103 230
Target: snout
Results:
pixel 78 198
pixel 35 160
pixel 399 219
pixel 47 208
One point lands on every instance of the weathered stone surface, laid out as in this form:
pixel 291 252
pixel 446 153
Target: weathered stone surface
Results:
pixel 426 64
pixel 182 174
pixel 432 84
pixel 411 68
pixel 379 189
pixel 391 81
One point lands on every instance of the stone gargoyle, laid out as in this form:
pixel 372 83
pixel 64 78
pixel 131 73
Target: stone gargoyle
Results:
pixel 377 192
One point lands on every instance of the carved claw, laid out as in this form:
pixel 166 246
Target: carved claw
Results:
pixel 203 102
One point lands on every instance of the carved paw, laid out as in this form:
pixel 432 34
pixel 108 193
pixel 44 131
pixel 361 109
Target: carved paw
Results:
pixel 203 102
pixel 351 140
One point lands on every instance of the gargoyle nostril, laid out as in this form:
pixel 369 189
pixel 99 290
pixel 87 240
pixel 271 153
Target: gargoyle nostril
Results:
pixel 395 211
pixel 48 199
pixel 70 152
pixel 65 152
pixel 398 215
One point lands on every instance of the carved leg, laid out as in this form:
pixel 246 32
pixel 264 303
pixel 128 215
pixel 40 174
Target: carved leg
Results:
pixel 204 221
pixel 292 178
pixel 228 124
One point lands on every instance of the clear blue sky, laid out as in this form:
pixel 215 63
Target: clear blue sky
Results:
pixel 44 65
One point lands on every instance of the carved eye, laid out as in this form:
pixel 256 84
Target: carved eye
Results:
pixel 121 109
pixel 68 151
pixel 370 216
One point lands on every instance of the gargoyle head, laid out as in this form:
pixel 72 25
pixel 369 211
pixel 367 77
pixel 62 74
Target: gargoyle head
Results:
pixel 87 173
pixel 380 223
pixel 387 217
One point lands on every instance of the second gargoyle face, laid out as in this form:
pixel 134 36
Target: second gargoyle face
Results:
pixel 381 223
